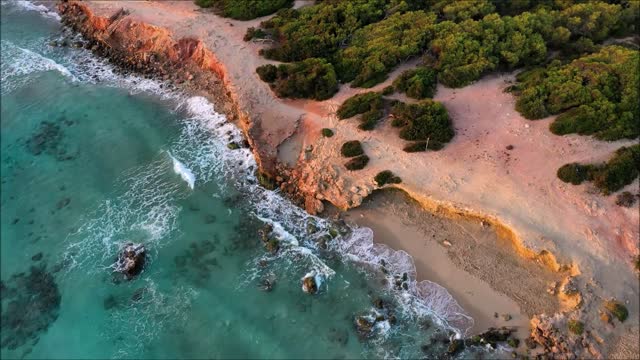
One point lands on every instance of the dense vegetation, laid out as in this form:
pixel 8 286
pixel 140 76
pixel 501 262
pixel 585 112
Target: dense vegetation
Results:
pixel 320 30
pixel 462 40
pixel 610 177
pixel 418 83
pixel 311 78
pixel 424 121
pixel 598 94
pixel 376 49
pixel 245 9
pixel 386 177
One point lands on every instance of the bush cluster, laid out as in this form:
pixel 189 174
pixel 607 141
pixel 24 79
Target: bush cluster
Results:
pixel 617 309
pixel 418 146
pixel 418 83
pixel 369 104
pixel 424 121
pixel 595 95
pixel 244 9
pixel 357 163
pixel 625 199
pixel 351 148
pixel 311 79
pixel 619 171
pixel 576 326
pixel 386 177
pixel 327 132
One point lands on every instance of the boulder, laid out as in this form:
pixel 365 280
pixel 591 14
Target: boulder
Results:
pixel 130 260
pixel 364 326
pixel 310 283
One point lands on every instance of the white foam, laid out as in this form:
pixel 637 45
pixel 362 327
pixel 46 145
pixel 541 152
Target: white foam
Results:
pixel 17 63
pixel 280 233
pixel 183 171
pixel 29 6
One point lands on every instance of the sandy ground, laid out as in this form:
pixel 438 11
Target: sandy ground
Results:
pixel 456 253
pixel 473 174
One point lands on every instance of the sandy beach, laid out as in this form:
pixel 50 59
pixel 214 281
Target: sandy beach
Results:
pixel 456 253
pixel 501 232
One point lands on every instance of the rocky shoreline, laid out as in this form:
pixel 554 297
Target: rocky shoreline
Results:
pixel 151 51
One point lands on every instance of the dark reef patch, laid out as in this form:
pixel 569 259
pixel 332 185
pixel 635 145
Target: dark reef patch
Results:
pixel 30 304
pixel 48 140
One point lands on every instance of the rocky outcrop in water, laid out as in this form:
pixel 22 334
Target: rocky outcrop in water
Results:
pixel 310 284
pixel 130 260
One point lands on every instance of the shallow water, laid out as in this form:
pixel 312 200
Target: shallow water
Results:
pixel 92 159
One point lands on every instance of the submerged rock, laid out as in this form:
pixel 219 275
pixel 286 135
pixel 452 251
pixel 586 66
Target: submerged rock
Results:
pixel 266 285
pixel 131 260
pixel 455 347
pixel 31 301
pixel 364 326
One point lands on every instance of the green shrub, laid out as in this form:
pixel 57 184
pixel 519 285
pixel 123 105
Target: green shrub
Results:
pixel 418 83
pixel 619 171
pixel 357 163
pixel 573 173
pixel 266 181
pixel 267 73
pixel 388 90
pixel 610 177
pixel 370 119
pixel 617 309
pixel 351 148
pixel 245 9
pixel 513 342
pixel 253 33
pixel 424 121
pixel 625 199
pixel 576 326
pixel 416 147
pixel 359 104
pixel 386 177
pixel 327 132
pixel 309 79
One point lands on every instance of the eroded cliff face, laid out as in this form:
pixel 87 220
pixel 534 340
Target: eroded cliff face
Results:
pixel 152 51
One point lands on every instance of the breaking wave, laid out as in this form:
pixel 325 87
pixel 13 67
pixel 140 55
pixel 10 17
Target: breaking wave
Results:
pixel 18 62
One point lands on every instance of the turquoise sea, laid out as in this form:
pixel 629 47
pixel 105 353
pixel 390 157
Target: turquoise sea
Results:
pixel 92 160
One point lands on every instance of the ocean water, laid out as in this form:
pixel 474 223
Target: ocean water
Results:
pixel 92 159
